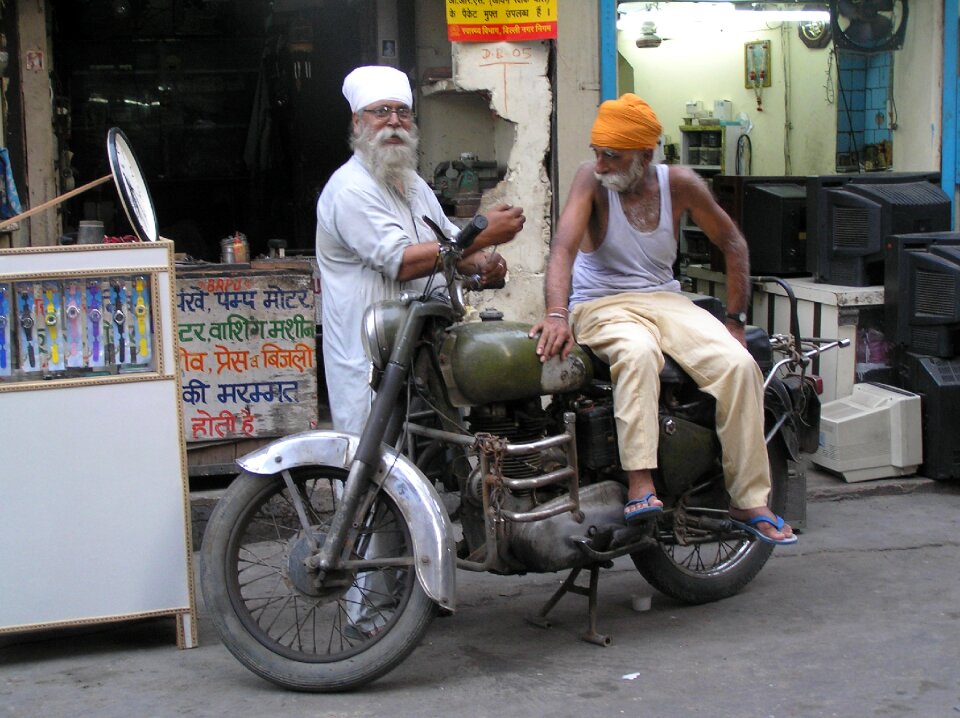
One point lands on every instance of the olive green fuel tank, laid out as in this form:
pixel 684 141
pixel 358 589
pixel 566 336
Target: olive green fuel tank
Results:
pixel 484 362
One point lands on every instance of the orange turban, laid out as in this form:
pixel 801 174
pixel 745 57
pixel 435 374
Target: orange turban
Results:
pixel 626 124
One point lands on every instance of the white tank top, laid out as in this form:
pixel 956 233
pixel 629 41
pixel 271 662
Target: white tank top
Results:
pixel 629 260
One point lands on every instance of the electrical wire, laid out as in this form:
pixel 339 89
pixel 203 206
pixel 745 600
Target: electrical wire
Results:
pixel 846 110
pixel 830 92
pixel 784 41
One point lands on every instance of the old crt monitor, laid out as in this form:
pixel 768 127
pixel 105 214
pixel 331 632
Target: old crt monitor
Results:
pixel 775 227
pixel 937 381
pixel 922 292
pixel 871 434
pixel 860 217
pixel 818 232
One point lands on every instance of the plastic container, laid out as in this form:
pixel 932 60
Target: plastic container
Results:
pixel 90 231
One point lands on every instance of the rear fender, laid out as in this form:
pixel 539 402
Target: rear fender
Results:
pixel 419 502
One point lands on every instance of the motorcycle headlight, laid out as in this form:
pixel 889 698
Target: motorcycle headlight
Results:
pixel 381 322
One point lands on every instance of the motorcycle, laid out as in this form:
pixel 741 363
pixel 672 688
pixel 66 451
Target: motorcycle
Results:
pixel 325 561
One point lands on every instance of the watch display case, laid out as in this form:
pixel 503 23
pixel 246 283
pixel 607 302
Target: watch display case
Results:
pixel 94 518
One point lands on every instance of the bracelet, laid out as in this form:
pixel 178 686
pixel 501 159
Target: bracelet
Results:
pixel 557 315
pixel 562 309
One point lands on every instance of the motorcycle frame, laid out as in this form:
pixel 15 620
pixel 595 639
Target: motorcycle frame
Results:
pixel 369 460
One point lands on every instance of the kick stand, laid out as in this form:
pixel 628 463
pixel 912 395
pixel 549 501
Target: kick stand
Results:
pixel 570 586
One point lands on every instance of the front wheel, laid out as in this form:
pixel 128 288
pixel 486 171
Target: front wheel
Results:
pixel 716 565
pixel 276 618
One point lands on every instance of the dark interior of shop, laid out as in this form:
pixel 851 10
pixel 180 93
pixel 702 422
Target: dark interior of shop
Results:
pixel 232 107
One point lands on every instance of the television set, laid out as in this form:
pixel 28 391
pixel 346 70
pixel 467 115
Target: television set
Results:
pixel 937 381
pixel 921 291
pixel 818 232
pixel 730 190
pixel 860 217
pixel 775 227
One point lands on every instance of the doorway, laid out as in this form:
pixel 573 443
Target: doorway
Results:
pixel 233 108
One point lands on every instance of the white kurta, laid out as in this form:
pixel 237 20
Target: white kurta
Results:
pixel 362 229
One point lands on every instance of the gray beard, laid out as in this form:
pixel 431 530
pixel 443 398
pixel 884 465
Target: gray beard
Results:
pixel 390 164
pixel 623 181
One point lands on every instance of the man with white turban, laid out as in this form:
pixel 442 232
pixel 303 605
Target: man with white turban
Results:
pixel 371 239
pixel 610 285
pixel 372 243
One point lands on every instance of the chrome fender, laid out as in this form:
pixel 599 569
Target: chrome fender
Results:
pixel 420 504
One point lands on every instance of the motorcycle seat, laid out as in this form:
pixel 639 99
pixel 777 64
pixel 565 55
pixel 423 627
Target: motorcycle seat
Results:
pixel 758 344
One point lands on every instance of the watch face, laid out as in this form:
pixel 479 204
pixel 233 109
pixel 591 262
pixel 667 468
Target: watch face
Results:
pixel 131 186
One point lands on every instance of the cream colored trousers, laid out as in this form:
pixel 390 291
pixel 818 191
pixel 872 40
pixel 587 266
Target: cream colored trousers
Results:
pixel 631 332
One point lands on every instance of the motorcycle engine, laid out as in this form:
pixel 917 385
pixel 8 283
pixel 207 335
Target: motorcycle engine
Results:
pixel 518 422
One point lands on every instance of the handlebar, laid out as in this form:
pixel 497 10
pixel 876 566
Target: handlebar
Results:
pixel 469 233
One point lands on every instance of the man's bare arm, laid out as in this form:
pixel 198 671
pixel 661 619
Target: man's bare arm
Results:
pixel 555 335
pixel 692 193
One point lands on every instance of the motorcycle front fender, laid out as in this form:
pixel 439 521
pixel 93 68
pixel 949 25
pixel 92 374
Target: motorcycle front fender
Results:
pixel 420 504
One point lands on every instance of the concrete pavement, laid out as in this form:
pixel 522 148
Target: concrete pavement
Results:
pixel 861 618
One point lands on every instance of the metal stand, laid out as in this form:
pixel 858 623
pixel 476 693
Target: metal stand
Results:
pixel 570 586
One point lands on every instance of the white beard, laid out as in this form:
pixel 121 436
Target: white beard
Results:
pixel 391 164
pixel 623 181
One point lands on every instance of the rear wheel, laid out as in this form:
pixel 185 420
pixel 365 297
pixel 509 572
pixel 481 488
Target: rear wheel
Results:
pixel 271 614
pixel 717 564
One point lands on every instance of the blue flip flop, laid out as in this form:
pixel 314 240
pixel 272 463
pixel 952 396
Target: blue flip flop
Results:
pixel 750 526
pixel 632 516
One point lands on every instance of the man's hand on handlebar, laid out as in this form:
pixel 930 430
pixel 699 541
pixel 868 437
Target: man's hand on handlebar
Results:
pixel 555 337
pixel 504 222
pixel 493 270
pixel 490 270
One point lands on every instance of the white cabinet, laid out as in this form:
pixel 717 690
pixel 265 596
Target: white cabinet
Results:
pixel 824 310
pixel 94 514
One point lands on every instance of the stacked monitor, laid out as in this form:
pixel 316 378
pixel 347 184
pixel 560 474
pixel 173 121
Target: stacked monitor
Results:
pixel 775 227
pixel 849 218
pixel 859 218
pixel 831 226
pixel 922 319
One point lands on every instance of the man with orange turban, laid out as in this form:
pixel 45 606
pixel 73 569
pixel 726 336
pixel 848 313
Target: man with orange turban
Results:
pixel 610 285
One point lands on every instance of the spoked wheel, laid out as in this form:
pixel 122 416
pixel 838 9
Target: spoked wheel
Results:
pixel 717 564
pixel 274 615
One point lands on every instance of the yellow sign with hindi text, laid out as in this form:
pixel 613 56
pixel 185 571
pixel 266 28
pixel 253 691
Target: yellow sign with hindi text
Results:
pixel 501 20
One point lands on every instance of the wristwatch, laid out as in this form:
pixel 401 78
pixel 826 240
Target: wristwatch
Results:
pixel 739 317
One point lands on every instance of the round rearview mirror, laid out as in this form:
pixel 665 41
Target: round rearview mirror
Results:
pixel 134 195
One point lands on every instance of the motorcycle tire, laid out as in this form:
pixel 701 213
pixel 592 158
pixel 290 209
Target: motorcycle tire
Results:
pixel 270 615
pixel 706 572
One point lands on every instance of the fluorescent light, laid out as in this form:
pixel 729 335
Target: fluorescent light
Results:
pixel 790 15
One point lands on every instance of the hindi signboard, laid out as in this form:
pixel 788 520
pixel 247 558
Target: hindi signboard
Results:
pixel 501 20
pixel 248 359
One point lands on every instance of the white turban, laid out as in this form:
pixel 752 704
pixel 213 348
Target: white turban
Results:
pixel 375 83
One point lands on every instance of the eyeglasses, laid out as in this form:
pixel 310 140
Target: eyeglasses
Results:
pixel 382 113
pixel 607 154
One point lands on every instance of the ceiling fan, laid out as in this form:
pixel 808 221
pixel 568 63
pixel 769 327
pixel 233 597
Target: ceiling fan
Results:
pixel 868 25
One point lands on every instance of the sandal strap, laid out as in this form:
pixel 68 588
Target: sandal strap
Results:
pixel 776 521
pixel 642 500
